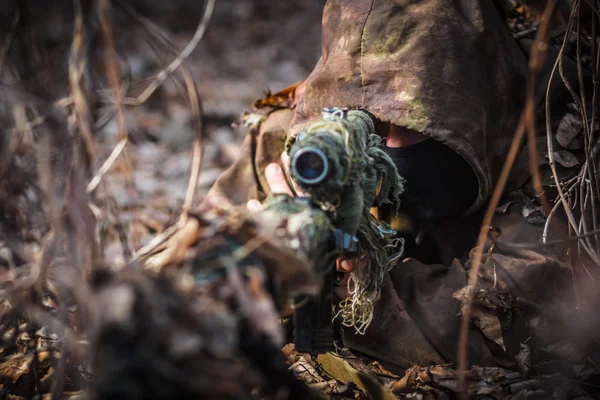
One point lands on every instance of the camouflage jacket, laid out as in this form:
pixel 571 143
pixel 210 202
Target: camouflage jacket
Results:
pixel 450 70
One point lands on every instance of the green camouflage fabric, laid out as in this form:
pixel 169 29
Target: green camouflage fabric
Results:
pixel 450 70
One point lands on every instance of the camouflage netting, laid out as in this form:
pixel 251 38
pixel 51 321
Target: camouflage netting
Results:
pixel 362 175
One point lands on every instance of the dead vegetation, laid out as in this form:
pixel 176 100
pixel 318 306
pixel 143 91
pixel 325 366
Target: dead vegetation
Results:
pixel 77 324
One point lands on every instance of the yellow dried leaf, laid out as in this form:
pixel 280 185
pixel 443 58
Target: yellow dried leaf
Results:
pixel 16 366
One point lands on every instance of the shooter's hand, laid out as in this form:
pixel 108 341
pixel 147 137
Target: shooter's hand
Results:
pixel 278 183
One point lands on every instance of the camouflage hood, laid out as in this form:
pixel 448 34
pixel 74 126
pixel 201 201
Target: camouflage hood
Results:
pixel 423 65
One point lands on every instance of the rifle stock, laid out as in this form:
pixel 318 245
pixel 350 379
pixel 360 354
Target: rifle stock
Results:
pixel 314 330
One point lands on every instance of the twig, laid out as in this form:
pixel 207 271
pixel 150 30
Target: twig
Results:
pixel 551 160
pixel 539 52
pixel 541 245
pixel 593 7
pixel 589 149
pixel 525 33
pixel 536 63
pixel 114 80
pixel 584 195
pixel 157 241
pixel 572 265
pixel 249 247
pixel 157 37
pixel 112 208
pixel 589 166
pixel 197 152
pixel 77 74
pixel 155 34
pixel 164 74
pixel 553 211
pixel 107 165
pixel 192 92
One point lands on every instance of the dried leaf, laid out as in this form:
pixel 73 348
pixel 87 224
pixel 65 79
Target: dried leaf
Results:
pixel 305 371
pixel 463 295
pixel 290 353
pixel 524 360
pixel 485 306
pixel 565 158
pixel 348 368
pixel 480 381
pixel 408 380
pixel 16 366
pixel 569 127
pixel 378 369
pixel 285 98
pixel 489 324
pixel 503 209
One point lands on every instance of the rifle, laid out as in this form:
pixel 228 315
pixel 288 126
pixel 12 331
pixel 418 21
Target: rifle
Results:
pixel 333 164
pixel 314 332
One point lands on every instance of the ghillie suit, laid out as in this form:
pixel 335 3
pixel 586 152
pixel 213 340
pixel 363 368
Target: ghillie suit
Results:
pixel 205 324
pixel 452 72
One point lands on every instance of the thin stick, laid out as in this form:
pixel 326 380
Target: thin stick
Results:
pixel 538 55
pixel 552 212
pixel 591 159
pixel 195 106
pixel 589 167
pixel 197 152
pixel 176 63
pixel 157 241
pixel 536 64
pixel 107 165
pixel 572 264
pixel 113 74
pixel 550 145
pixel 541 245
pixel 114 80
pixel 79 95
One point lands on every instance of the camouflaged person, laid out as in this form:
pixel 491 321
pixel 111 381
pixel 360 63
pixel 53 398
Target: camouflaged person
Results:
pixel 445 80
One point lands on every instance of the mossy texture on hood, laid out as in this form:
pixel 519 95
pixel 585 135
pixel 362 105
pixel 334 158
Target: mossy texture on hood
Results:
pixel 423 65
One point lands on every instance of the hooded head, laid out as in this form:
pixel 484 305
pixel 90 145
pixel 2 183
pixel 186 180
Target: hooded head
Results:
pixel 447 69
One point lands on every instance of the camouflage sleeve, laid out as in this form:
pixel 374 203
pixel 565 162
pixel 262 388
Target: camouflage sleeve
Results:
pixel 264 143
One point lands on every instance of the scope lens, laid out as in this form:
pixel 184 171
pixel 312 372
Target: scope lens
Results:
pixel 310 165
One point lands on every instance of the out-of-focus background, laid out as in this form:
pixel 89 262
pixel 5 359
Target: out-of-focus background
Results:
pixel 251 46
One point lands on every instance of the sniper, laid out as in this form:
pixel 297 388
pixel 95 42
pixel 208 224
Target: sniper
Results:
pixel 445 85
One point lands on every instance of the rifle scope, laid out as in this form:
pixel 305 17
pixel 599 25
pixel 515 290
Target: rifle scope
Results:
pixel 309 165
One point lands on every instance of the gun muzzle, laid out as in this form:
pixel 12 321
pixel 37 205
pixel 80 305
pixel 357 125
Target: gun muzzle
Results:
pixel 309 165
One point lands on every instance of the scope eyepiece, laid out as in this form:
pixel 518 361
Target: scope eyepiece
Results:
pixel 309 165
